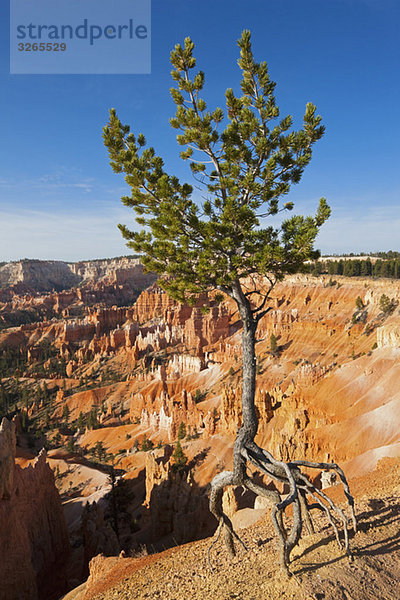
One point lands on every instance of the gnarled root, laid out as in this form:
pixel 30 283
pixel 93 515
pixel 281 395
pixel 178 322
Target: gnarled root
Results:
pixel 219 483
pixel 299 488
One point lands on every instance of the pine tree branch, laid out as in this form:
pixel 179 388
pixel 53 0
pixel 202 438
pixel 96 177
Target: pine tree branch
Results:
pixel 209 150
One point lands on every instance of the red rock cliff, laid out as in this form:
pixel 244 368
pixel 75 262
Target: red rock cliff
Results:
pixel 33 535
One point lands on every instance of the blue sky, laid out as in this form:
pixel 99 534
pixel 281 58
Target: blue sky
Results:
pixel 59 198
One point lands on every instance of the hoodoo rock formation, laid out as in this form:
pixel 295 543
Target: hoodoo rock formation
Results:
pixel 174 505
pixel 33 537
pixel 163 412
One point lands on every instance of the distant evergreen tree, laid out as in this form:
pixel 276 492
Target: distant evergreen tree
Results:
pixel 91 419
pixel 182 431
pixel 366 268
pixel 70 445
pixel 99 451
pixel 386 304
pixel 273 344
pixel 47 420
pixel 179 457
pixel 65 413
pixel 332 267
pixel 377 270
pixel 317 269
pixel 386 269
pixel 25 397
pixel 81 421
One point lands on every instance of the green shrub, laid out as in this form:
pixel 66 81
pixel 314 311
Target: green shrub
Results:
pixel 359 303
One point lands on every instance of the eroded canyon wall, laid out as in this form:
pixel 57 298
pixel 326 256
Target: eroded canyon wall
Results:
pixel 33 537
pixel 45 275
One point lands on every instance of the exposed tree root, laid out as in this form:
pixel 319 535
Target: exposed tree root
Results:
pixel 213 544
pixel 300 488
pixel 218 485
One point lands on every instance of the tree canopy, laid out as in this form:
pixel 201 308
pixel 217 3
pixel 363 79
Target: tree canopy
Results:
pixel 243 159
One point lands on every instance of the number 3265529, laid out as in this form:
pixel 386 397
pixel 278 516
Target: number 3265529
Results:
pixel 42 47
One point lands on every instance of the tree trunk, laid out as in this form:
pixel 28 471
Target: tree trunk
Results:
pixel 249 427
pixel 250 421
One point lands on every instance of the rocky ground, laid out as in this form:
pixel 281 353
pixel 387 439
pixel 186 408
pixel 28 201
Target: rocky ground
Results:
pixel 321 571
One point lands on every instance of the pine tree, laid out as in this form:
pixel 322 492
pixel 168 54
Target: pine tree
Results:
pixel 65 413
pixel 99 450
pixel 181 431
pixel 179 457
pixel 385 304
pixel 273 344
pixel 81 421
pixel 45 392
pixel 245 159
pixel 70 445
pixel 91 419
